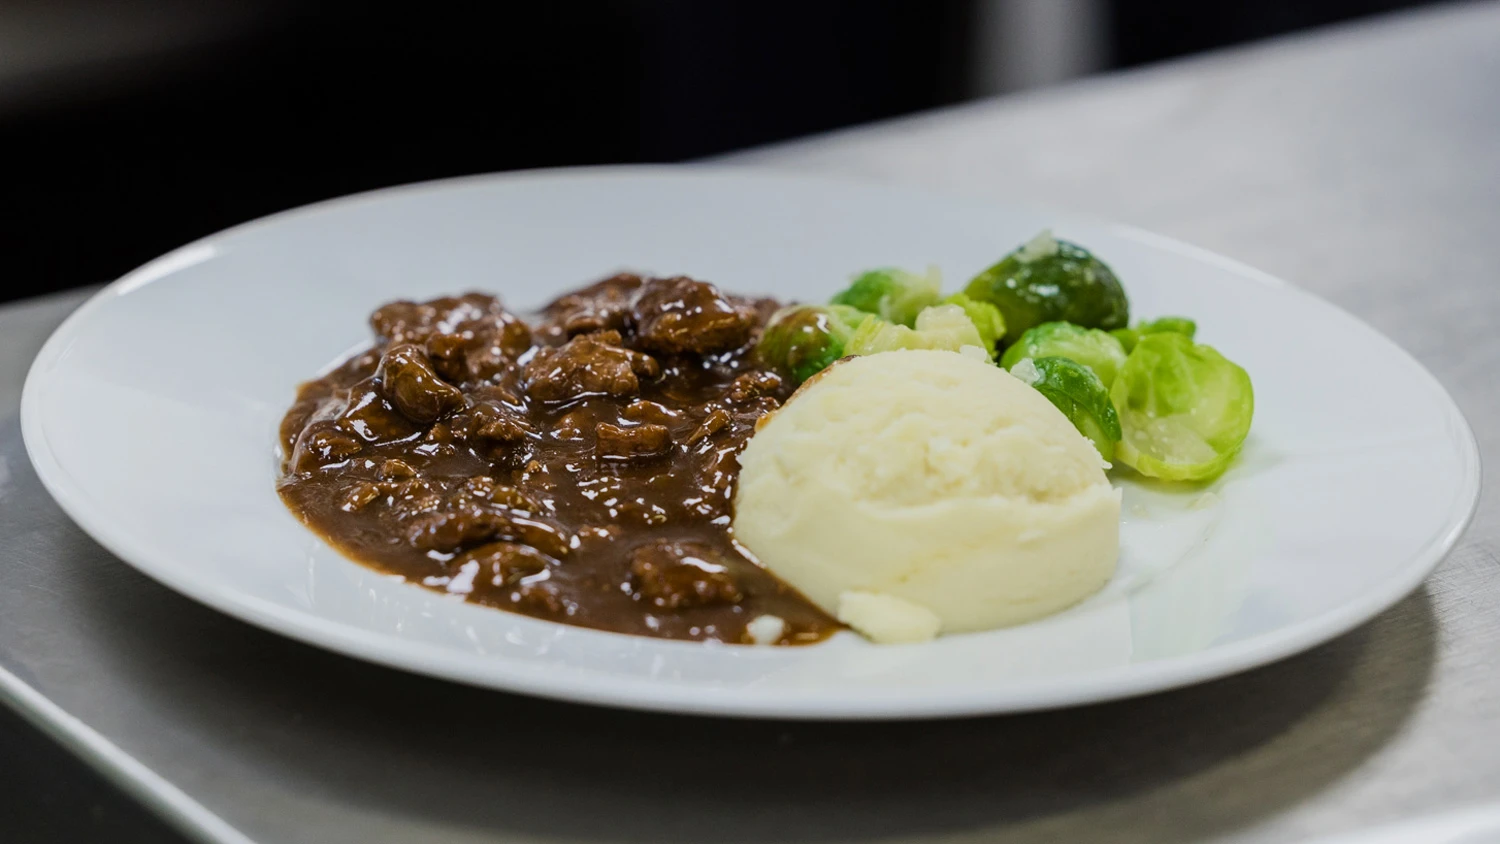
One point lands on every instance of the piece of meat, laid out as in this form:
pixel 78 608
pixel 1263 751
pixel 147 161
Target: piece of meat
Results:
pixel 602 306
pixel 501 564
pixel 481 350
pixel 414 388
pixel 633 442
pixel 589 364
pixel 413 322
pixel 715 421
pixel 492 429
pixel 358 496
pixel 679 315
pixel 676 575
pixel 473 342
pixel 370 417
pixel 322 444
pixel 573 426
pixel 642 410
pixel 543 598
pixel 754 384
pixel 460 520
pixel 396 469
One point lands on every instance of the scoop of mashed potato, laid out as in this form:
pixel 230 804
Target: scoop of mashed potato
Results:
pixel 914 492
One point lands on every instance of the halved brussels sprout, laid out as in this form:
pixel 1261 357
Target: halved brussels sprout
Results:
pixel 986 318
pixel 894 295
pixel 943 327
pixel 1050 280
pixel 1075 390
pixel 802 340
pixel 1091 347
pixel 1184 408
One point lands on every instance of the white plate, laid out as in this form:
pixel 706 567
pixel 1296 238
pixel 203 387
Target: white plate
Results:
pixel 1475 825
pixel 151 416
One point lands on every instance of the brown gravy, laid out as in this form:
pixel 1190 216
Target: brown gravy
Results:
pixel 578 467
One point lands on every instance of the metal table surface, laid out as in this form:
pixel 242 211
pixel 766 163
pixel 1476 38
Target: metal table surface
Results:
pixel 1362 163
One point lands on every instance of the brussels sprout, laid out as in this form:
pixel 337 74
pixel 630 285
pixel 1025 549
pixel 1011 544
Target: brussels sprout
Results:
pixel 892 294
pixel 804 339
pixel 1184 408
pixel 949 326
pixel 1091 347
pixel 944 327
pixel 1128 337
pixel 1168 324
pixel 1051 280
pixel 1075 390
pixel 986 318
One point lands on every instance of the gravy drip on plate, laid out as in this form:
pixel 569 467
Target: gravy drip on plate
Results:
pixel 577 467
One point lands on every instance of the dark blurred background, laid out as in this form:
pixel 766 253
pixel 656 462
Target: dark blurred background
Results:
pixel 128 127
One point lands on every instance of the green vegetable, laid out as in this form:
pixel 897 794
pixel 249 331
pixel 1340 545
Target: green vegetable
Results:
pixel 1184 408
pixel 986 318
pixel 1075 390
pixel 944 327
pixel 1128 337
pixel 1091 347
pixel 802 340
pixel 892 294
pixel 1051 280
pixel 1169 324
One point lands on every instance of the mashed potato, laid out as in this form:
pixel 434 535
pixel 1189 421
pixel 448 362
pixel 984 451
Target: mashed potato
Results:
pixel 913 491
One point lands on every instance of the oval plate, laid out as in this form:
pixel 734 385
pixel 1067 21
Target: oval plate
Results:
pixel 151 416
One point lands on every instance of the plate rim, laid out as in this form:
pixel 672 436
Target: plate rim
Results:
pixel 541 680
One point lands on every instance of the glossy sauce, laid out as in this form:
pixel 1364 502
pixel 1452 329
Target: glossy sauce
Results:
pixel 579 467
